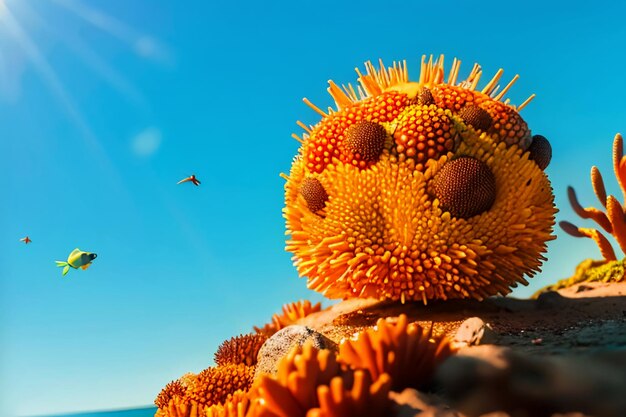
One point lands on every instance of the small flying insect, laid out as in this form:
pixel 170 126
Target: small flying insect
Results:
pixel 26 240
pixel 191 178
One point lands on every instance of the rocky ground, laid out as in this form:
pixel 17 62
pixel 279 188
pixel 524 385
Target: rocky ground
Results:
pixel 562 354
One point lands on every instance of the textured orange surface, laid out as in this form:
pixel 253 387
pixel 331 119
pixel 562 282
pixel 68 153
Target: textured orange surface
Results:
pixel 376 224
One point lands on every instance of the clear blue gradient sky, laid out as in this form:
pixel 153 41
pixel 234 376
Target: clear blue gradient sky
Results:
pixel 106 104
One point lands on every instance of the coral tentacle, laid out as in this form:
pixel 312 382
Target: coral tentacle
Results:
pixel 615 213
pixel 605 247
pixel 598 185
pixel 618 153
pixel 589 212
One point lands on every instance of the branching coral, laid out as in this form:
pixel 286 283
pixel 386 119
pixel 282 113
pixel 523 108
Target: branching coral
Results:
pixel 242 349
pixel 406 352
pixel 612 220
pixel 311 383
pixel 419 190
pixel 291 313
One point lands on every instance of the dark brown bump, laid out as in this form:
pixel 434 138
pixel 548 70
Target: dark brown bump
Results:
pixel 476 117
pixel 540 151
pixel 314 194
pixel 465 187
pixel 425 97
pixel 366 139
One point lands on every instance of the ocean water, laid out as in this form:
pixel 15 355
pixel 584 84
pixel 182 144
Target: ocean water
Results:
pixel 135 412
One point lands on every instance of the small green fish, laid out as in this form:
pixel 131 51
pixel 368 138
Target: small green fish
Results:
pixel 77 259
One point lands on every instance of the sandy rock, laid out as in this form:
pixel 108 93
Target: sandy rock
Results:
pixel 474 331
pixel 281 342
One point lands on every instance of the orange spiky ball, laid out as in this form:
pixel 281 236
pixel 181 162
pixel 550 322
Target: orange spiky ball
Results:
pixel 242 349
pixel 419 190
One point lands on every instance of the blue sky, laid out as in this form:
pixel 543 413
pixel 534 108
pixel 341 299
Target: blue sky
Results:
pixel 106 104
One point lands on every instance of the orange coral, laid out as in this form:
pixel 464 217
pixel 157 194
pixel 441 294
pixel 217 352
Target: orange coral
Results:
pixel 178 407
pixel 236 405
pixel 311 383
pixel 192 393
pixel 171 390
pixel 214 385
pixel 376 226
pixel 406 352
pixel 291 313
pixel 612 220
pixel 242 349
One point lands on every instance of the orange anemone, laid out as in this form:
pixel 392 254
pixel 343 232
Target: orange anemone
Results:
pixel 311 383
pixel 406 352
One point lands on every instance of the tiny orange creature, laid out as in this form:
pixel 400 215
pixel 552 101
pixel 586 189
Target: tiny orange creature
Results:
pixel 26 240
pixel 191 178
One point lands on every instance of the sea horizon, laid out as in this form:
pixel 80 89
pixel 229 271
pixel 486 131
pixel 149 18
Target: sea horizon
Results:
pixel 146 411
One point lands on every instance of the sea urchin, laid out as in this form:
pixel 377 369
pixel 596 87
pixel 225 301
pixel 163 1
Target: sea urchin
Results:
pixel 419 190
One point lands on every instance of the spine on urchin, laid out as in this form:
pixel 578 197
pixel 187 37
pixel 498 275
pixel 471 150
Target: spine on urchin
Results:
pixel 419 190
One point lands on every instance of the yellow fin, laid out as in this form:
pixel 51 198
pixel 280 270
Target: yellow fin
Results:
pixel 85 266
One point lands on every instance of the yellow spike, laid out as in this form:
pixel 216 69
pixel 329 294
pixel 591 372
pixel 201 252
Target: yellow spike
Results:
pixel 423 70
pixel 284 176
pixel 438 73
pixel 314 107
pixel 372 88
pixel 383 74
pixel 491 85
pixel 525 103
pixel 303 126
pixel 405 71
pixel 430 69
pixel 341 99
pixel 476 79
pixel 509 85
pixel 351 93
pixel 298 138
pixel 454 71
pixel 475 70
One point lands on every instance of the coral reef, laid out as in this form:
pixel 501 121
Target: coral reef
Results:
pixel 416 191
pixel 310 381
pixel 612 221
pixel 419 190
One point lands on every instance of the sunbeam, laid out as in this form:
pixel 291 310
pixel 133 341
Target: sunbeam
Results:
pixel 91 58
pixel 50 78
pixel 143 45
